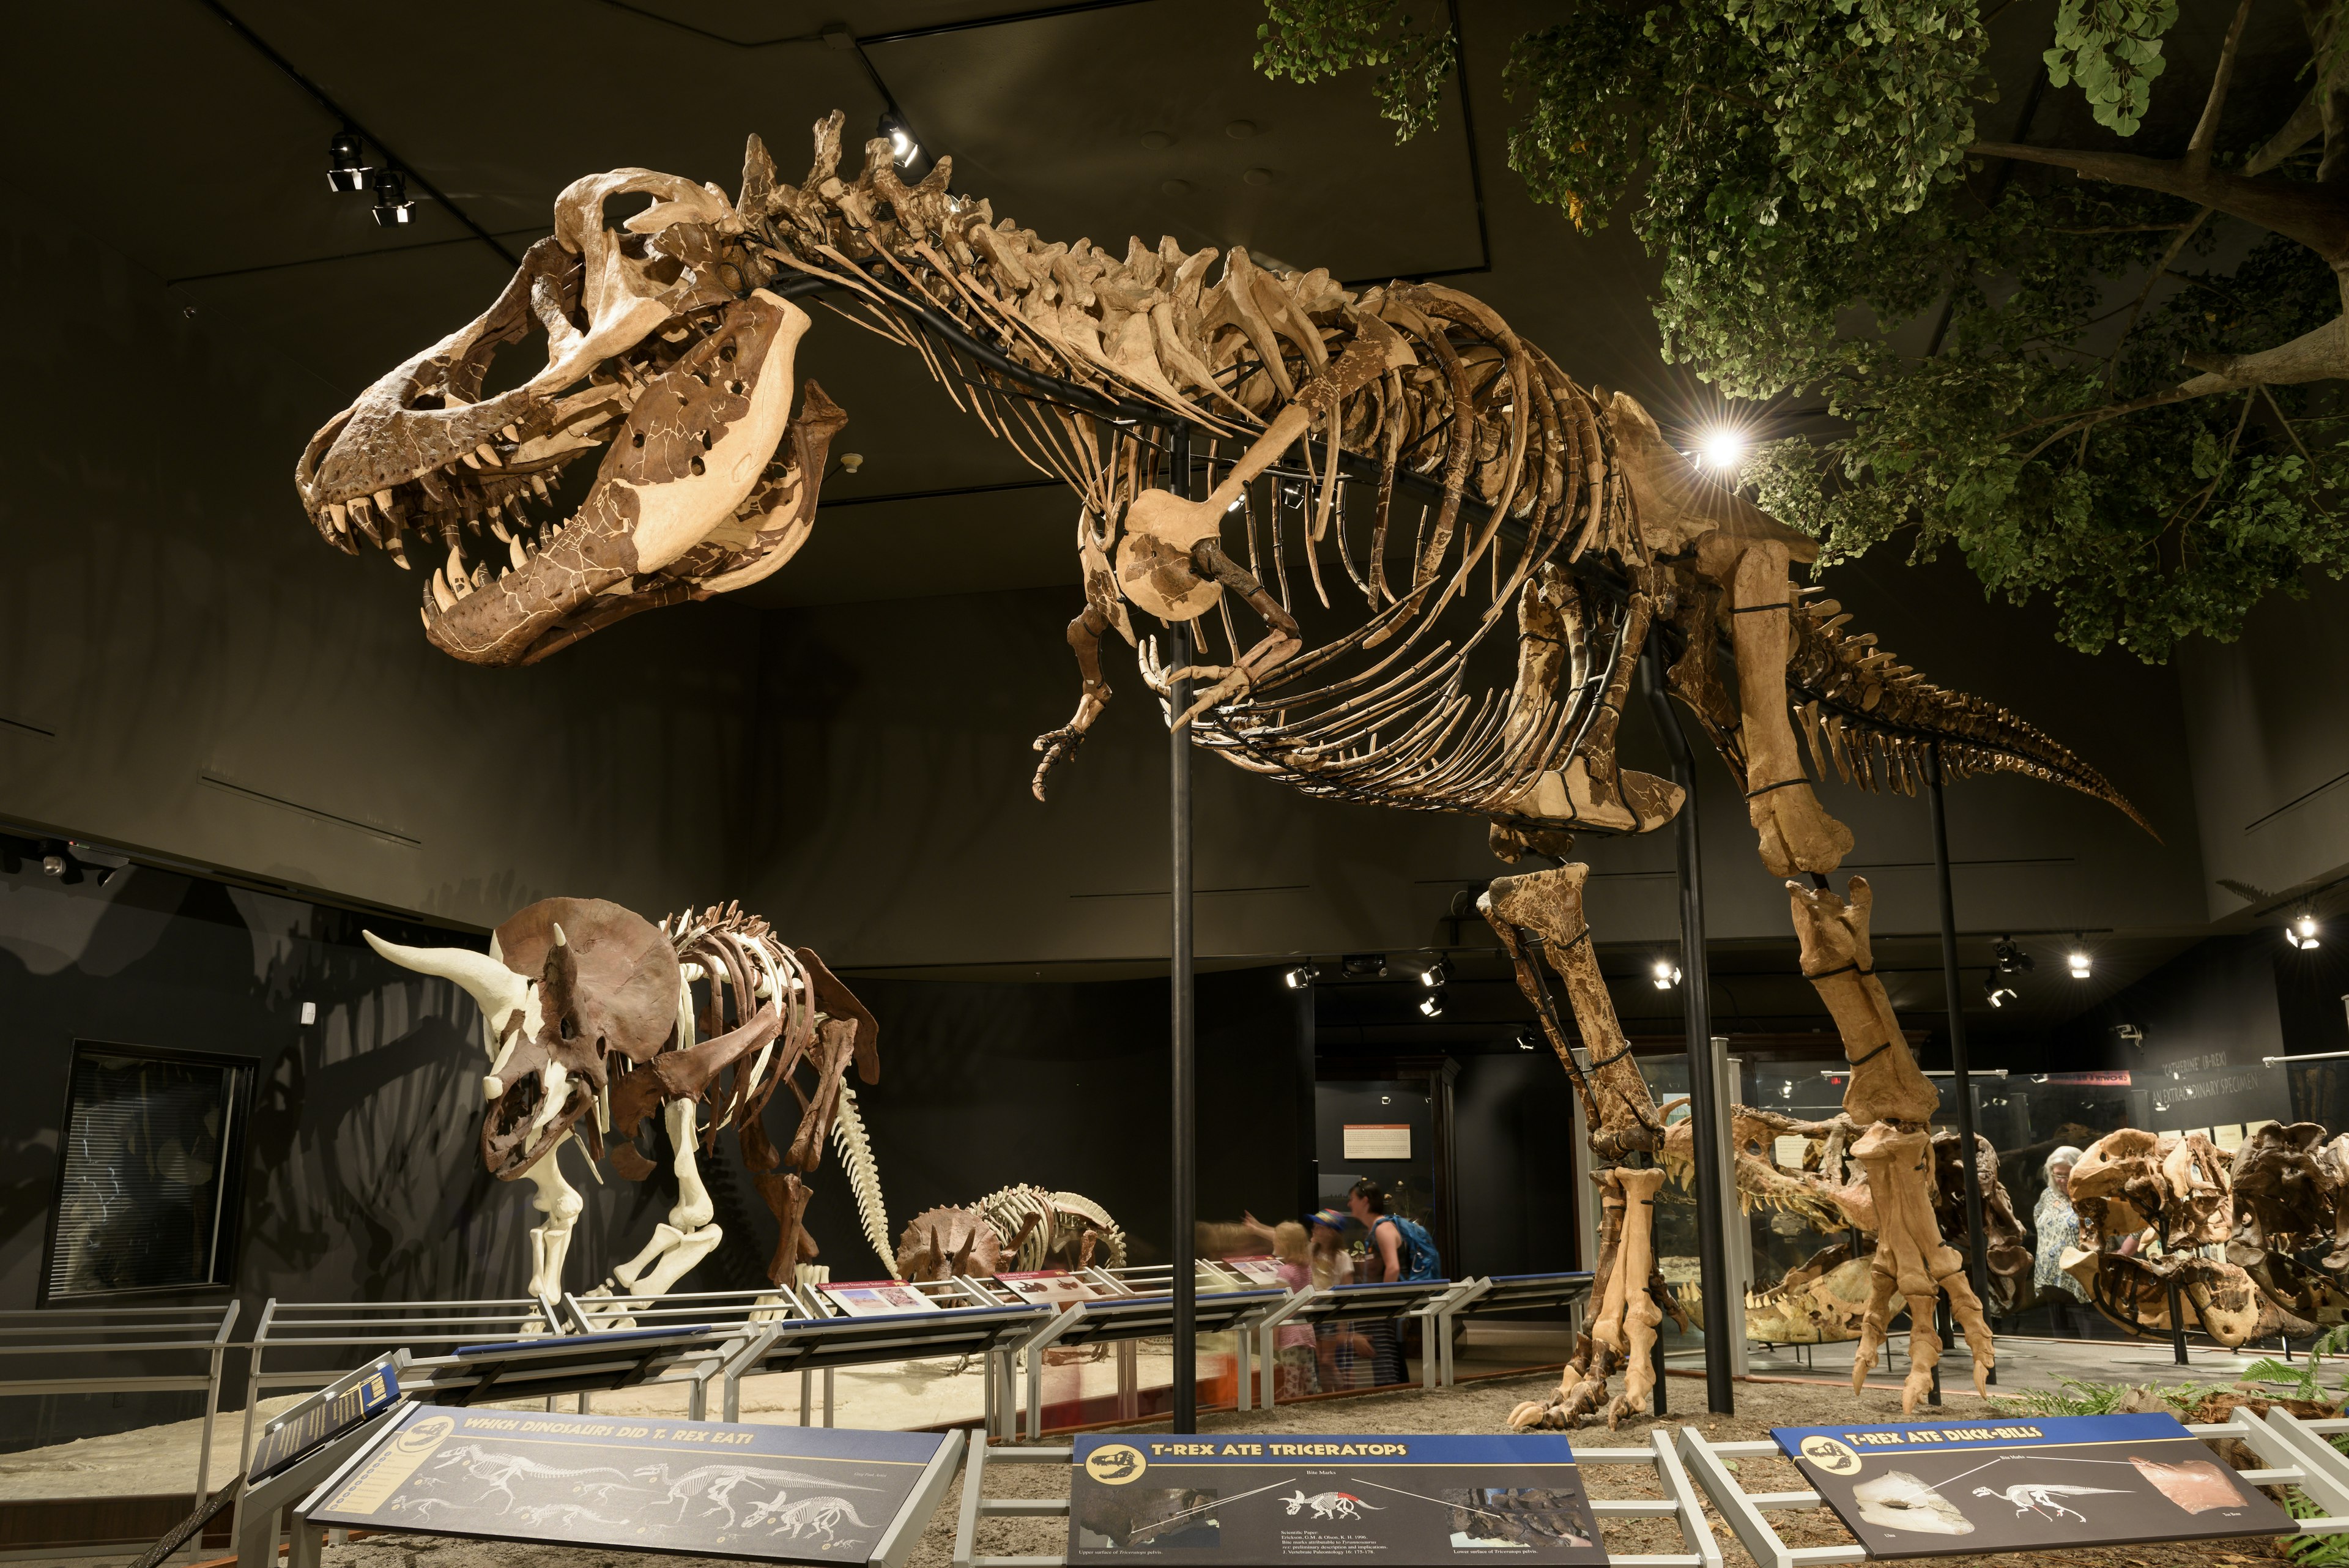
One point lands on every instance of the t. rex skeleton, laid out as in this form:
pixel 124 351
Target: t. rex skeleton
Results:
pixel 589 1019
pixel 1141 380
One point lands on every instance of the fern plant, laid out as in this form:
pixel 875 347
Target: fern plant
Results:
pixel 2307 1378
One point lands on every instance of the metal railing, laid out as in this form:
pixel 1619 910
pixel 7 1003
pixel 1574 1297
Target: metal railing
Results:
pixel 64 1334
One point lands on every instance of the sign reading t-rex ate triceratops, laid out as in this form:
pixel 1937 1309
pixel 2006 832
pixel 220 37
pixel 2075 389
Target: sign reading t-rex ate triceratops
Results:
pixel 1142 381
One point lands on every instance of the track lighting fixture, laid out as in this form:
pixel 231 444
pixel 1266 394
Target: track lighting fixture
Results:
pixel 1363 966
pixel 2079 962
pixel 2010 959
pixel 1297 977
pixel 392 206
pixel 346 170
pixel 1432 1003
pixel 1665 973
pixel 1527 1041
pixel 901 141
pixel 1436 974
pixel 2302 932
pixel 2000 994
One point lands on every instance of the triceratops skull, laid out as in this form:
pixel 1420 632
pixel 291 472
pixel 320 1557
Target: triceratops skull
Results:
pixel 566 984
pixel 664 348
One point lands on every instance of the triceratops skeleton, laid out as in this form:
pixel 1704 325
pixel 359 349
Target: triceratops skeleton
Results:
pixel 589 1020
pixel 1141 380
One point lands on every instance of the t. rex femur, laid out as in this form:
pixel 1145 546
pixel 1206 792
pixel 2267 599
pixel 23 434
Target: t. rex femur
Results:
pixel 1238 439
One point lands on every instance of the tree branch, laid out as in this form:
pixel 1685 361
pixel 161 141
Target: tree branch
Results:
pixel 2315 215
pixel 2306 122
pixel 2206 132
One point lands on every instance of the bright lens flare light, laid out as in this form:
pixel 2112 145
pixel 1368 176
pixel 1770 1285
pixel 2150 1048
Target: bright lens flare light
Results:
pixel 1723 448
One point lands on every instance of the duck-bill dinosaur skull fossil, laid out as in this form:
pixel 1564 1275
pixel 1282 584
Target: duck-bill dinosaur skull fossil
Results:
pixel 664 352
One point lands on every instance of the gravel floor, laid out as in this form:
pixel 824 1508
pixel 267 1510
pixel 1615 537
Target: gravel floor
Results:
pixel 1472 1408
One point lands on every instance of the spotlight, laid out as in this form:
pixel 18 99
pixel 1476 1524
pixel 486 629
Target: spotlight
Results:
pixel 2079 962
pixel 345 171
pixel 1721 448
pixel 1432 1003
pixel 54 865
pixel 392 206
pixel 2010 958
pixel 2000 995
pixel 1527 1041
pixel 1298 977
pixel 901 141
pixel 1666 974
pixel 2302 932
pixel 1436 974
pixel 1363 966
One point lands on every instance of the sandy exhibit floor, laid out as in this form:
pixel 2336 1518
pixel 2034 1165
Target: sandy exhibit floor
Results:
pixel 1472 1408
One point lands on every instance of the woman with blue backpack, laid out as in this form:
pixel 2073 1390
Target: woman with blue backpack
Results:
pixel 1401 1249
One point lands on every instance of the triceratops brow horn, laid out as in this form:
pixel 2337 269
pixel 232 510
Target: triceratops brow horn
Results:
pixel 490 983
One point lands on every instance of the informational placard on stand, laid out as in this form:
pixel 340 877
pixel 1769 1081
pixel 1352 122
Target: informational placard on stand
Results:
pixel 2039 1483
pixel 361 1395
pixel 1262 1270
pixel 1288 1498
pixel 1052 1287
pixel 784 1494
pixel 877 1298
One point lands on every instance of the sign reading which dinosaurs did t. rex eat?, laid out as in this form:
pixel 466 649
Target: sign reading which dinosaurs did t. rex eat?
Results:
pixel 1282 1496
pixel 789 1494
pixel 2012 1483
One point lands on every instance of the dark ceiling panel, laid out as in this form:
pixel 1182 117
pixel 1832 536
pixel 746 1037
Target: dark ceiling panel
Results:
pixel 1047 117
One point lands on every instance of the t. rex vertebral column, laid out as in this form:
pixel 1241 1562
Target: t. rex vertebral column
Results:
pixel 589 1019
pixel 1304 411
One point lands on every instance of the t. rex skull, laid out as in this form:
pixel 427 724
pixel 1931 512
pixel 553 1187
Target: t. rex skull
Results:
pixel 566 984
pixel 664 349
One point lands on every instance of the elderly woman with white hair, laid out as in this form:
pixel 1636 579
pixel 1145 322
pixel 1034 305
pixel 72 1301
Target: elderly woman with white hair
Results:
pixel 2056 1227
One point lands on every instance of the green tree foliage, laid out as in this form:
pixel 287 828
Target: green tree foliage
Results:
pixel 2085 404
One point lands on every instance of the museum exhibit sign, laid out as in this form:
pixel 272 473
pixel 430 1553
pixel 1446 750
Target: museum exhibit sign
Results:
pixel 785 1494
pixel 2026 1483
pixel 1403 1499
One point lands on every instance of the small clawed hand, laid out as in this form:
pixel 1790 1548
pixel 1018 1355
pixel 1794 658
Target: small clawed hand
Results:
pixel 1058 746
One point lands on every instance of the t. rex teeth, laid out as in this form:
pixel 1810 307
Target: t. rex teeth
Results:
pixel 488 454
pixel 514 552
pixel 433 487
pixel 442 596
pixel 341 514
pixel 482 576
pixel 399 553
pixel 383 499
pixel 497 527
pixel 511 433
pixel 469 459
pixel 538 487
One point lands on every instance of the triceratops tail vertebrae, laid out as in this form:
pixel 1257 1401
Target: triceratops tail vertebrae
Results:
pixel 1872 717
pixel 864 1177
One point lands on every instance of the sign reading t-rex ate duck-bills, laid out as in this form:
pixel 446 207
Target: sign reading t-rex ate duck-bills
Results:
pixel 790 1494
pixel 1282 1498
pixel 1944 1489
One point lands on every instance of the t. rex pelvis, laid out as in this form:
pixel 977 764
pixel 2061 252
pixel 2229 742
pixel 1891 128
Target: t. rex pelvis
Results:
pixel 1304 411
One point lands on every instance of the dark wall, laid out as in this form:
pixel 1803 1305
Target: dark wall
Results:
pixel 2208 1017
pixel 1065 1086
pixel 1512 1117
pixel 185 668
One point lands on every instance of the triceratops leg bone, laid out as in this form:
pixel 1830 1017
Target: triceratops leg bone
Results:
pixel 687 1236
pixel 561 1203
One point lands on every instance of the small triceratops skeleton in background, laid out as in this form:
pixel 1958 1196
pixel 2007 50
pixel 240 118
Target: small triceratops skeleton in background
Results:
pixel 1142 381
pixel 1020 1228
pixel 589 1020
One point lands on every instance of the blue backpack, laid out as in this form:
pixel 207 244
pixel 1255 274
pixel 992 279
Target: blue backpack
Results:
pixel 1420 1260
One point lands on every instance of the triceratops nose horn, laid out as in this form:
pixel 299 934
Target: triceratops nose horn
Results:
pixel 558 934
pixel 490 983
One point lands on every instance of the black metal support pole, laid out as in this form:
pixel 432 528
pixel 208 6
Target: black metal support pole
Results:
pixel 1722 1315
pixel 1977 1260
pixel 1185 1085
pixel 2177 1324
